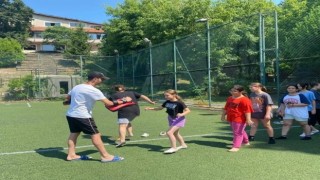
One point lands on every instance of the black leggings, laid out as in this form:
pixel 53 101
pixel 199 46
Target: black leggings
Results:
pixel 314 118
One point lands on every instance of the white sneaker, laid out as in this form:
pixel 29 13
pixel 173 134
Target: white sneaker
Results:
pixel 314 132
pixel 170 151
pixel 182 147
pixel 302 135
pixel 145 135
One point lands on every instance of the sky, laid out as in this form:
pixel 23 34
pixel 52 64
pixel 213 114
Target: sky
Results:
pixel 86 10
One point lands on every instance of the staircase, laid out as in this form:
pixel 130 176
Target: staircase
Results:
pixel 48 64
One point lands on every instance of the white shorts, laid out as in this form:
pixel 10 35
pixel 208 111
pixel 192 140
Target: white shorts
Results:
pixel 123 121
pixel 290 117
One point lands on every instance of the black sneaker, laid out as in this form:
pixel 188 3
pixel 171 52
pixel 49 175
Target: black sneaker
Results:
pixel 282 137
pixel 120 144
pixel 251 138
pixel 306 138
pixel 271 141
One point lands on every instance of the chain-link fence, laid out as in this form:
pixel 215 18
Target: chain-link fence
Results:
pixel 204 65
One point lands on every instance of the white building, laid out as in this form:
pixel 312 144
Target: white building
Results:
pixel 42 21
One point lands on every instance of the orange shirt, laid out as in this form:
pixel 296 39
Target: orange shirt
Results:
pixel 236 108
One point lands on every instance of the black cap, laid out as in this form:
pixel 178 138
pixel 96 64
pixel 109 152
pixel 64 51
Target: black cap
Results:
pixel 95 74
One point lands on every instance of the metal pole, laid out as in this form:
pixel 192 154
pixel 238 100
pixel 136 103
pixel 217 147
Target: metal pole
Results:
pixel 209 62
pixel 39 82
pixel 133 72
pixel 118 66
pixel 151 73
pixel 175 65
pixel 277 53
pixel 261 48
pixel 263 52
pixel 81 68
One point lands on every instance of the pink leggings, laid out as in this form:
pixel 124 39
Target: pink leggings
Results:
pixel 239 134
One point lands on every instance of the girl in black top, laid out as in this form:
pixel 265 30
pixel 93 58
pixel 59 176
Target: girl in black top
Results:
pixel 176 110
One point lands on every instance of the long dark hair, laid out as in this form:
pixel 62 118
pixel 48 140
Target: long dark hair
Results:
pixel 119 87
pixel 240 89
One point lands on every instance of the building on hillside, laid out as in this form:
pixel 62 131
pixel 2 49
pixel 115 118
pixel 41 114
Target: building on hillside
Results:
pixel 42 21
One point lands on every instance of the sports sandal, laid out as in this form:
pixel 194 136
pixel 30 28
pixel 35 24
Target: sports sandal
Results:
pixel 120 144
pixel 82 157
pixel 115 159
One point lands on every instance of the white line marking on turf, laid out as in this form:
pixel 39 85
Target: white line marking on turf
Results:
pixel 107 144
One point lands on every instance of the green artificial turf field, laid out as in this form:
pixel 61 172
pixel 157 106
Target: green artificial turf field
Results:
pixel 33 146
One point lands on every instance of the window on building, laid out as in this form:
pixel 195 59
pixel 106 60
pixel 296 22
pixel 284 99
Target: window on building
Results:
pixel 76 24
pixel 92 36
pixel 95 36
pixel 37 35
pixel 30 47
pixel 48 24
pixel 96 27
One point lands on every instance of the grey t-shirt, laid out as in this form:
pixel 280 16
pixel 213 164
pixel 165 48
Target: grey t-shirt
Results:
pixel 259 104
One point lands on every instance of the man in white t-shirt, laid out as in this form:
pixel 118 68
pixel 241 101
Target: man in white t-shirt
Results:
pixel 79 115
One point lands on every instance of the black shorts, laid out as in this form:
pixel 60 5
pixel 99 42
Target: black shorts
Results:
pixel 85 125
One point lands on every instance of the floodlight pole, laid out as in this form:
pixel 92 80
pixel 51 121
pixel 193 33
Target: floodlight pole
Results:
pixel 208 56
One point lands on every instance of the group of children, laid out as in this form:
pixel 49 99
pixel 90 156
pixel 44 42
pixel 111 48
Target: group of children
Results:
pixel 240 110
pixel 298 104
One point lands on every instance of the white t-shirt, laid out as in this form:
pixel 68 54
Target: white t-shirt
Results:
pixel 83 98
pixel 301 112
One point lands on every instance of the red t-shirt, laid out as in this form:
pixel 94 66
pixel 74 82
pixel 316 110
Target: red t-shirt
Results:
pixel 236 109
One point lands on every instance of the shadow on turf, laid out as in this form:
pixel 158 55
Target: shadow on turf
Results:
pixel 150 147
pixel 105 139
pixel 208 143
pixel 57 152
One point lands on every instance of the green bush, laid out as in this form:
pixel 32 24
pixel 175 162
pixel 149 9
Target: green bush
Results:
pixel 10 52
pixel 21 88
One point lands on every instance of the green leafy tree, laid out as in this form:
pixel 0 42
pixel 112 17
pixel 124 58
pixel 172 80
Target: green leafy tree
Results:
pixel 75 41
pixel 157 20
pixel 78 44
pixel 58 36
pixel 15 20
pixel 10 52
pixel 21 88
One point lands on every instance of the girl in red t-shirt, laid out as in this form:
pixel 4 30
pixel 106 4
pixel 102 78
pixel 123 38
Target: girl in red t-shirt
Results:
pixel 238 109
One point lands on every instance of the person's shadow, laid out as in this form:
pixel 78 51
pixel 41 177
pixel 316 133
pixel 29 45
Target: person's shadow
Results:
pixel 58 152
pixel 105 139
pixel 209 143
pixel 150 147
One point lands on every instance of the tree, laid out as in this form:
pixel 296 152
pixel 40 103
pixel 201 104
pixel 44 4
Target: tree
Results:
pixel 75 41
pixel 15 20
pixel 78 43
pixel 21 88
pixel 58 36
pixel 158 20
pixel 10 52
